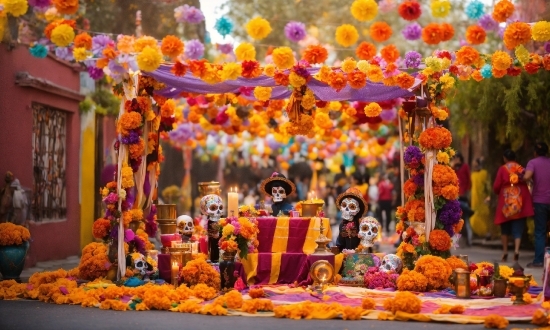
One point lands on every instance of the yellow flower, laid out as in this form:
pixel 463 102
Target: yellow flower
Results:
pixel 269 70
pixel 434 63
pixel 262 93
pixel 541 31
pixel 283 57
pixel 346 35
pixel 501 60
pixel 440 8
pixel 51 14
pixel 15 7
pixel 374 73
pixel 364 10
pixel 245 52
pixel 296 80
pixel 443 157
pixel 308 100
pixel 149 59
pixel 522 54
pixel 324 73
pixel 141 43
pixel 231 71
pixel 447 80
pixel 80 54
pixel 363 66
pixel 348 65
pixel 62 35
pixel 258 28
pixel 323 121
pixel 228 229
pixel 442 115
pixel 335 105
pixel 373 109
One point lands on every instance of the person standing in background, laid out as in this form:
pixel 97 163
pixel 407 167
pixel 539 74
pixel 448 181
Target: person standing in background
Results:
pixel 6 198
pixel 20 204
pixel 373 195
pixel 385 191
pixel 538 170
pixel 462 171
pixel 481 192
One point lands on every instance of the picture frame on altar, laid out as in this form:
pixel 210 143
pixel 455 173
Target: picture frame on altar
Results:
pixel 356 265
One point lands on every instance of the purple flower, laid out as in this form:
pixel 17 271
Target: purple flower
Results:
pixel 194 49
pixel 129 235
pixel 412 59
pixel 99 43
pixel 111 198
pixel 188 14
pixel 134 163
pixel 413 155
pixel 95 73
pixel 40 3
pixel 418 180
pixel 450 213
pixel 117 71
pixel 114 233
pixel 150 224
pixel 181 134
pixel 64 53
pixel 547 47
pixel 412 31
pixel 225 48
pixel 139 244
pixel 295 31
pixel 301 71
pixel 131 138
pixel 488 23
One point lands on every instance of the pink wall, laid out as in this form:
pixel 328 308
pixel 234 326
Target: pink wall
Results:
pixel 55 240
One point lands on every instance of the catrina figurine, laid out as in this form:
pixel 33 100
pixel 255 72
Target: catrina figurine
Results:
pixel 279 188
pixel 353 207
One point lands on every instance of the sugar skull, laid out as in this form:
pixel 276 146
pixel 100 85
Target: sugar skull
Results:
pixel 185 224
pixel 278 193
pixel 349 208
pixel 391 263
pixel 138 261
pixel 368 231
pixel 212 207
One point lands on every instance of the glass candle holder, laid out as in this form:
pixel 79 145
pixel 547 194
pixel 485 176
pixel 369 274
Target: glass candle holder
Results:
pixel 462 284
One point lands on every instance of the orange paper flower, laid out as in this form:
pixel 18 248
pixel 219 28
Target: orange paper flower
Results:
pixel 83 40
pixel 337 80
pixel 357 79
pixel 503 10
pixel 171 46
pixel 365 51
pixel 517 33
pixel 435 138
pixel 475 35
pixel 315 54
pixel 179 69
pixel 440 240
pixel 380 31
pixel 431 34
pixel 447 31
pixel 404 80
pixel 390 53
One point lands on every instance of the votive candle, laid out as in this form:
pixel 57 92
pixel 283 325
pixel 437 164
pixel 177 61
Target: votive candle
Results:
pixel 233 203
pixel 175 274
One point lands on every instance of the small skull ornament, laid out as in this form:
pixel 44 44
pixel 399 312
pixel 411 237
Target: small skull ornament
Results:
pixel 368 231
pixel 391 263
pixel 349 208
pixel 185 224
pixel 212 207
pixel 278 193
pixel 140 265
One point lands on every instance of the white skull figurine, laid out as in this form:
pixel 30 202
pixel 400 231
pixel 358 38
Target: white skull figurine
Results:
pixel 349 208
pixel 391 263
pixel 368 231
pixel 185 224
pixel 212 207
pixel 140 264
pixel 278 194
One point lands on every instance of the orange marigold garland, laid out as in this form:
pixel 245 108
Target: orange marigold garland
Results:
pixel 101 228
pixel 440 240
pixel 435 269
pixel 315 54
pixel 357 79
pixel 456 263
pixel 337 80
pixel 380 31
pixel 404 301
pixel 411 280
pixel 435 138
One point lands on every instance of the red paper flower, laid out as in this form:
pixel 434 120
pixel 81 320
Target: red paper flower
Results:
pixel 410 10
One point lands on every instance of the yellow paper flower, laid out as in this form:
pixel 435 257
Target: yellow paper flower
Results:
pixel 335 105
pixel 364 10
pixel 440 8
pixel 283 57
pixel 269 70
pixel 443 157
pixel 231 71
pixel 348 65
pixel 258 28
pixel 62 35
pixel 245 52
pixel 80 54
pixel 501 60
pixel 374 73
pixel 149 59
pixel 522 54
pixel 262 93
pixel 15 7
pixel 373 109
pixel 434 63
pixel 346 35
pixel 447 80
pixel 296 80
pixel 141 43
pixel 541 31
pixel 308 100
pixel 324 73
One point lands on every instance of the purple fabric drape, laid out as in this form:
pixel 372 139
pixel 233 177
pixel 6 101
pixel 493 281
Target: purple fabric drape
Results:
pixel 372 92
pixel 266 234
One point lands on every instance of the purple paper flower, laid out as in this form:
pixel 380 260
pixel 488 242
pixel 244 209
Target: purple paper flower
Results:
pixel 295 31
pixel 95 73
pixel 225 48
pixel 413 156
pixel 117 71
pixel 418 180
pixel 412 31
pixel 131 138
pixel 188 14
pixel 450 213
pixel 111 198
pixel 150 224
pixel 40 3
pixel 301 71
pixel 64 53
pixel 547 47
pixel 194 49
pixel 488 23
pixel 181 134
pixel 99 43
pixel 139 244
pixel 412 59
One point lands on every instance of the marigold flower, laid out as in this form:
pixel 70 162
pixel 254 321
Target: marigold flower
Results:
pixel 435 269
pixel 258 28
pixel 431 34
pixel 404 301
pixel 374 73
pixel 456 263
pixel 495 321
pixel 447 31
pixel 337 80
pixel 348 65
pixel 404 80
pixel 435 138
pixel 94 262
pixel 346 35
pixel 503 10
pixel 409 188
pixel 101 228
pixel 62 35
pixel 440 240
pixel 365 51
pixel 149 59
pixel 66 7
pixel 269 70
pixel 296 80
pixel 516 34
pixel 315 54
pixel 11 234
pixel 541 31
pixel 373 109
pixel 389 53
pixel 125 44
pixel 364 10
pixel 476 75
pixel 145 41
pixel 171 46
pixel 357 79
pixel 380 31
pixel 409 10
pixel 83 40
pixel 262 93
pixel 501 60
pixel 281 78
pixel 245 52
pixel 475 35
pixel 256 293
pixel 283 57
pixel 540 318
pixel 179 69
pixel 252 306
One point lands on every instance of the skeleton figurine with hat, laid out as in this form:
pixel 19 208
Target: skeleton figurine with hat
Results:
pixel 279 188
pixel 353 207
pixel 212 208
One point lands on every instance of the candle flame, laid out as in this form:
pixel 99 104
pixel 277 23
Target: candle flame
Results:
pixel 175 264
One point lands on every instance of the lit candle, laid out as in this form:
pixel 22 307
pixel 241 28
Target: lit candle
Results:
pixel 175 273
pixel 195 247
pixel 233 203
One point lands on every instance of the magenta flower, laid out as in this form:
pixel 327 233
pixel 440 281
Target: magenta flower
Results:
pixel 412 31
pixel 40 3
pixel 194 49
pixel 295 31
pixel 188 14
pixel 488 23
